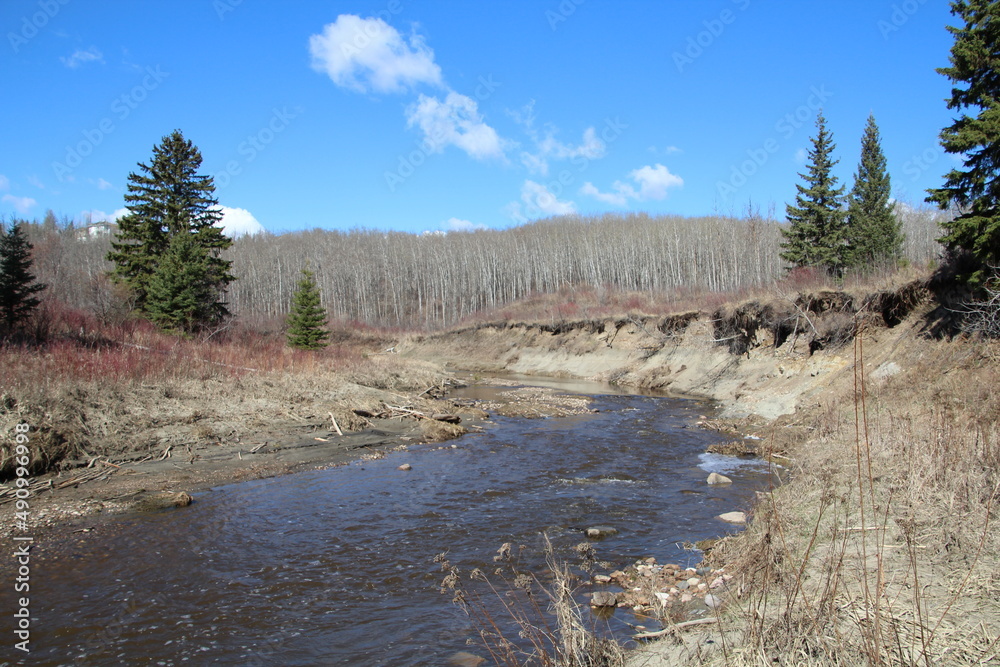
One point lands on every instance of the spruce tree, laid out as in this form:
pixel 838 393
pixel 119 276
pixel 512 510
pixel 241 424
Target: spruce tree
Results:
pixel 975 135
pixel 165 199
pixel 815 233
pixel 307 319
pixel 181 293
pixel 17 283
pixel 874 233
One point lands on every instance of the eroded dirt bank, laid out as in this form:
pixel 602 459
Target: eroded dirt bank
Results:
pixel 764 359
pixel 882 548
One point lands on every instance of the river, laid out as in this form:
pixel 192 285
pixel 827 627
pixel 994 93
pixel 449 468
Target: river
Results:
pixel 335 567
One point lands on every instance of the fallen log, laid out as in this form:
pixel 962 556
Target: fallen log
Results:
pixel 450 419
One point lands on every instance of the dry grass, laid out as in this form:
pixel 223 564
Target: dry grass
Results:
pixel 99 390
pixel 548 621
pixel 883 550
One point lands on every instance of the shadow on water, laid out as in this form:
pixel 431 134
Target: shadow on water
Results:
pixel 336 566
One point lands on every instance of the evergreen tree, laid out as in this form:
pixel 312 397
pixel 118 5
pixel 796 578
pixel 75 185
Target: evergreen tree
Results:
pixel 975 135
pixel 169 198
pixel 874 234
pixel 815 235
pixel 307 319
pixel 17 283
pixel 181 292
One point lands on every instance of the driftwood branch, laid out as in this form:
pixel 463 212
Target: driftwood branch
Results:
pixel 336 427
pixel 675 628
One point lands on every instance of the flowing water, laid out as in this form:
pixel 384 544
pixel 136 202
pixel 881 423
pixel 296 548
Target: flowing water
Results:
pixel 335 567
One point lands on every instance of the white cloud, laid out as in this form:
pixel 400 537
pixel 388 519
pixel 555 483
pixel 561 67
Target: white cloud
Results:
pixel 370 55
pixel 21 204
pixel 620 197
pixel 4 182
pixel 81 56
pixel 459 225
pixel 238 222
pixel 801 156
pixel 547 147
pixel 653 182
pixel 537 201
pixel 457 122
pixel 95 215
pixel 235 221
pixel 35 181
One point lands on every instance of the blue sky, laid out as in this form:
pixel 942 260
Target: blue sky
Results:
pixel 428 115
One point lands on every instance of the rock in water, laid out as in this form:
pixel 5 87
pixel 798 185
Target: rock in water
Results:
pixel 600 531
pixel 604 599
pixel 716 478
pixel 466 659
pixel 406 466
pixel 734 517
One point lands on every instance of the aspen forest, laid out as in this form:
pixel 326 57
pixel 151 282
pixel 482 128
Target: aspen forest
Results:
pixel 436 279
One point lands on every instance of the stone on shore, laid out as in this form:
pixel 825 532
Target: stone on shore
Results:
pixel 716 478
pixel 734 517
pixel 153 501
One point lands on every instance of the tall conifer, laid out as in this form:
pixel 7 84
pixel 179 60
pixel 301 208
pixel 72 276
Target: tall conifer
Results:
pixel 974 189
pixel 815 233
pixel 167 198
pixel 17 283
pixel 874 233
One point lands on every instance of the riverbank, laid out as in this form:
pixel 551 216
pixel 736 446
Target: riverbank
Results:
pixel 334 422
pixel 881 548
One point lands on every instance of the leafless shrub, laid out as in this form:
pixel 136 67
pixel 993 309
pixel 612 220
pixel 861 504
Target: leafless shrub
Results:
pixel 982 316
pixel 549 622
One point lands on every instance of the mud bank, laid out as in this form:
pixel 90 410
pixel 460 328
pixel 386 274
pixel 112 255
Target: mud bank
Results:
pixel 75 502
pixel 757 359
pixel 80 498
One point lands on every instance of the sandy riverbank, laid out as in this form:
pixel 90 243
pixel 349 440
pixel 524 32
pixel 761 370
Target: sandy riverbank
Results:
pixel 882 548
pixel 77 503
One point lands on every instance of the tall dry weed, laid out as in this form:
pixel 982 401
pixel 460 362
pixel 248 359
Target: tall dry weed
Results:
pixel 883 549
